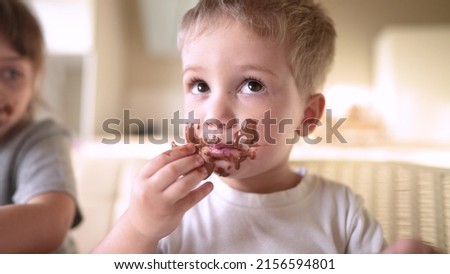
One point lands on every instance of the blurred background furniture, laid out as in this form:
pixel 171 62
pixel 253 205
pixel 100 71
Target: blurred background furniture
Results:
pixel 409 200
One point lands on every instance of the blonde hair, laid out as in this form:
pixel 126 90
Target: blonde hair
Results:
pixel 307 32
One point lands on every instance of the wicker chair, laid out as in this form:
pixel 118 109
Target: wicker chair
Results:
pixel 408 200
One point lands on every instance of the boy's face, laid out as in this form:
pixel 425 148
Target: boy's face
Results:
pixel 230 73
pixel 16 86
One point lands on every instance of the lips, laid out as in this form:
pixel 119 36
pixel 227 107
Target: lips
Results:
pixel 221 151
pixel 216 153
pixel 220 157
pixel 5 111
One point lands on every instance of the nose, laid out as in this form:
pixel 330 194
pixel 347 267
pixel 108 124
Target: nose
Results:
pixel 220 117
pixel 221 109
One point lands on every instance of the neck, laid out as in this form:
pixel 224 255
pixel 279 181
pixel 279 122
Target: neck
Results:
pixel 277 179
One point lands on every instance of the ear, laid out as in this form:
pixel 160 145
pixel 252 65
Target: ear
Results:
pixel 311 114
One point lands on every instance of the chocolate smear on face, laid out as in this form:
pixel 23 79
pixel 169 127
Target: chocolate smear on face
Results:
pixel 248 131
pixel 243 140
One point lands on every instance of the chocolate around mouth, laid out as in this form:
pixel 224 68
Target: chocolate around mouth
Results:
pixel 6 109
pixel 242 141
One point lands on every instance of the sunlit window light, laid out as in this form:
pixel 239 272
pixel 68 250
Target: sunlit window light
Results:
pixel 67 25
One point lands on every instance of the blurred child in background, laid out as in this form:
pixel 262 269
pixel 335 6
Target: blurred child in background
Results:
pixel 37 188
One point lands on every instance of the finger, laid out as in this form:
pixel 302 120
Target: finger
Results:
pixel 184 185
pixel 163 159
pixel 195 196
pixel 175 170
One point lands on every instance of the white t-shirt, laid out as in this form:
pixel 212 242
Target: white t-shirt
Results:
pixel 317 216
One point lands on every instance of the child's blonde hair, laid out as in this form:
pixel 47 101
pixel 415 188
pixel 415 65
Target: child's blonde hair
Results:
pixel 301 25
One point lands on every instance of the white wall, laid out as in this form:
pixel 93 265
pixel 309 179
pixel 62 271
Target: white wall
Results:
pixel 412 75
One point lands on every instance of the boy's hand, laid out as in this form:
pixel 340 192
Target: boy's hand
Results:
pixel 164 190
pixel 411 246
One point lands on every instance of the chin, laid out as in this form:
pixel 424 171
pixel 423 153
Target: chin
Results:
pixel 223 168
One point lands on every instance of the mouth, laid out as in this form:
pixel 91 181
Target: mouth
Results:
pixel 7 109
pixel 222 151
pixel 4 112
pixel 224 158
pixel 220 157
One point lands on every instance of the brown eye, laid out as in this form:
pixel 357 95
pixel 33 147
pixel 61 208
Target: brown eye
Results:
pixel 10 74
pixel 252 86
pixel 199 88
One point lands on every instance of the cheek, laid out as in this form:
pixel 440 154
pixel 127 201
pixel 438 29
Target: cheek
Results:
pixel 269 155
pixel 278 128
pixel 192 107
pixel 21 100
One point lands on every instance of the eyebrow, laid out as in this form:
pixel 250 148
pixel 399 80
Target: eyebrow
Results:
pixel 258 68
pixel 12 59
pixel 243 67
pixel 192 68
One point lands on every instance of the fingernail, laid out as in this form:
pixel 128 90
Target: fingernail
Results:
pixel 188 148
pixel 199 159
pixel 191 148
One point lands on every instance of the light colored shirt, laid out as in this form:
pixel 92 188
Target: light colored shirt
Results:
pixel 37 160
pixel 317 216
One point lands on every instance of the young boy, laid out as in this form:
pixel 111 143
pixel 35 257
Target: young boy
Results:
pixel 263 60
